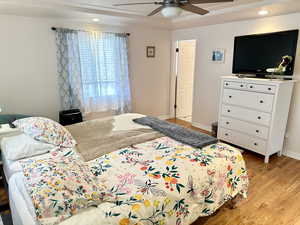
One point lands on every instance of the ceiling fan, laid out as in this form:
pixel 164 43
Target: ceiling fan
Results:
pixel 172 8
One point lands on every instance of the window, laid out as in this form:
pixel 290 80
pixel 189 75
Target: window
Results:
pixel 97 67
pixel 102 82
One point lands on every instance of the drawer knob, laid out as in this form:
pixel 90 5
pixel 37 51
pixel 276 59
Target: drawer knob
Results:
pixel 228 110
pixel 259 117
pixel 226 84
pixel 257 131
pixel 261 101
pixel 227 123
pixel 242 85
pixel 270 89
pixel 226 134
pixel 251 86
pixel 230 96
pixel 255 144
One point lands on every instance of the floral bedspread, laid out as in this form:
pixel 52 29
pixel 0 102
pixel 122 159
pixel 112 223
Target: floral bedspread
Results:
pixel 158 182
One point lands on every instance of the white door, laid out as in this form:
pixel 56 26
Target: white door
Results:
pixel 185 79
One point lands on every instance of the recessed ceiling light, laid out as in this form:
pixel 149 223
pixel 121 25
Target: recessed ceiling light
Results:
pixel 263 12
pixel 96 20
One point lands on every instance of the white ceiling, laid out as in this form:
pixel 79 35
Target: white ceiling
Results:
pixel 144 9
pixel 85 10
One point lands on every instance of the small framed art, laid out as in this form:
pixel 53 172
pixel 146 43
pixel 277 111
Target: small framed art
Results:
pixel 218 55
pixel 150 52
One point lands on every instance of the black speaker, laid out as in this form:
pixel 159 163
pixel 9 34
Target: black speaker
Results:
pixel 68 117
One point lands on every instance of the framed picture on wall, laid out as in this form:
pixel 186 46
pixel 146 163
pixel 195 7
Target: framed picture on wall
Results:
pixel 150 51
pixel 218 55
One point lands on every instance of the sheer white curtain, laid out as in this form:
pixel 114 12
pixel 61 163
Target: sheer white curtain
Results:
pixel 104 75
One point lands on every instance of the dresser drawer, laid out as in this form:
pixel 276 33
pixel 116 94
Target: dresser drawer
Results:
pixel 246 114
pixel 258 101
pixel 262 88
pixel 243 140
pixel 235 85
pixel 245 127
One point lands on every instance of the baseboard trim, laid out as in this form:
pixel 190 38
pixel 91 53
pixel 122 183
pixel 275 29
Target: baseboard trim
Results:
pixel 163 117
pixel 201 126
pixel 293 155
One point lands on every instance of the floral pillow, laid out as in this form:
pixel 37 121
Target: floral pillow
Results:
pixel 47 131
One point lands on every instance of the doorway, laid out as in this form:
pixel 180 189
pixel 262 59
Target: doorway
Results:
pixel 184 84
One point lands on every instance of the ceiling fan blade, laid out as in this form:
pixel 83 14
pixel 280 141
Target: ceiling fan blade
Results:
pixel 193 9
pixel 208 1
pixel 156 11
pixel 137 3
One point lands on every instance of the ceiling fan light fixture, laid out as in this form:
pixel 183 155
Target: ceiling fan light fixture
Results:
pixel 263 12
pixel 171 11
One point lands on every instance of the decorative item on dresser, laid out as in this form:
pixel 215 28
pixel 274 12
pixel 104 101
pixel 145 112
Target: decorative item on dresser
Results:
pixel 253 113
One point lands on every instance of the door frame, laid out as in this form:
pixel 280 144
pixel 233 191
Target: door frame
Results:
pixel 173 79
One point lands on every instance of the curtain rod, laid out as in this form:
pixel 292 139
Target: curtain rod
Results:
pixel 54 28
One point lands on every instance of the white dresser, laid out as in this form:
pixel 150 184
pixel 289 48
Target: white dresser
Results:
pixel 253 113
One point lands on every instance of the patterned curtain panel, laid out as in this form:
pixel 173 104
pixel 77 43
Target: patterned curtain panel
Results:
pixel 93 71
pixel 69 69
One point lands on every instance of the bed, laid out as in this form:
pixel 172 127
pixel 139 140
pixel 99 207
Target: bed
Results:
pixel 160 181
pixel 122 122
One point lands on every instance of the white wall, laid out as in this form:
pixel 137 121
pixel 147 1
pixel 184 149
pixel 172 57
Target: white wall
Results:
pixel 150 76
pixel 28 78
pixel 207 74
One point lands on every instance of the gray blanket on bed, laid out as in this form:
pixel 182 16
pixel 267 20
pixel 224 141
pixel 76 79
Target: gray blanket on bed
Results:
pixel 178 133
pixel 96 138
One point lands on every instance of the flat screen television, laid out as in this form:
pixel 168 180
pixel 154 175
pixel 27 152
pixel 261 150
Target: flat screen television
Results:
pixel 271 54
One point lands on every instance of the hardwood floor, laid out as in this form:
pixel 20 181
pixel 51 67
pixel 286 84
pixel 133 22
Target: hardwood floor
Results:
pixel 187 125
pixel 274 193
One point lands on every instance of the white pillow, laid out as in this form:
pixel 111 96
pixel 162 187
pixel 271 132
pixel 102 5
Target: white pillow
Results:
pixel 23 146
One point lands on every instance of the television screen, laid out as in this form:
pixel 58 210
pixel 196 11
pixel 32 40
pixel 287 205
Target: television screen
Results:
pixel 266 54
